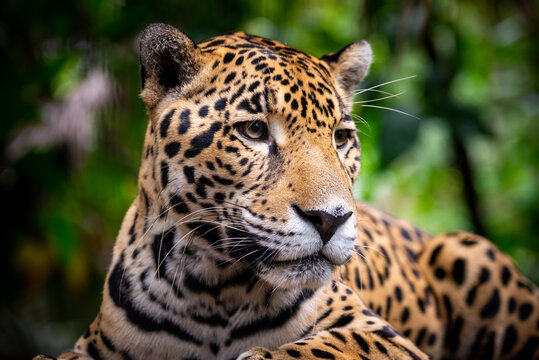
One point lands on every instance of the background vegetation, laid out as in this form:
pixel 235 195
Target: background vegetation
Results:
pixel 471 160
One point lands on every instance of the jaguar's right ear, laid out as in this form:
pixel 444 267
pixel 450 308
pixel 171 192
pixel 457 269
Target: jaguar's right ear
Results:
pixel 168 61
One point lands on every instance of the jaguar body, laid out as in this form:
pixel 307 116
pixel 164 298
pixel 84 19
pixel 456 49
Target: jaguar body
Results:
pixel 245 240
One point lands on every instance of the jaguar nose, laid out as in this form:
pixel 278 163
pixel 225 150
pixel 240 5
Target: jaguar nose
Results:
pixel 325 223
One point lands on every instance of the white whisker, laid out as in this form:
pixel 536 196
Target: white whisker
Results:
pixel 378 99
pixel 386 83
pixel 391 109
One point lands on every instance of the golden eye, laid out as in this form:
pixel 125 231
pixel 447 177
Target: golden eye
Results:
pixel 254 130
pixel 341 137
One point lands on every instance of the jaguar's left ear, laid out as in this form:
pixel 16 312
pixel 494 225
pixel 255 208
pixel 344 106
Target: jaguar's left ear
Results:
pixel 351 64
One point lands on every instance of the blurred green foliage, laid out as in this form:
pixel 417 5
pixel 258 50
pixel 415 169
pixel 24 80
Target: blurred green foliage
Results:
pixel 470 160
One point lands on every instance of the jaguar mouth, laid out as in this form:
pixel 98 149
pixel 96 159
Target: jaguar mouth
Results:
pixel 313 259
pixel 306 271
pixel 250 249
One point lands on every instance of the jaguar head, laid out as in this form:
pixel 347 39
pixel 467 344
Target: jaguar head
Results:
pixel 251 147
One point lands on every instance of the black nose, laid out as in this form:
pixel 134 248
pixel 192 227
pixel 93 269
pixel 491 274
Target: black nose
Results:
pixel 325 223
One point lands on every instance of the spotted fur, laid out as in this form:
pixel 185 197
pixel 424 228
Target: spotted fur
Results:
pixel 244 240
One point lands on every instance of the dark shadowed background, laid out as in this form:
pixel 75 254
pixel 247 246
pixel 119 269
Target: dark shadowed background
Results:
pixel 72 129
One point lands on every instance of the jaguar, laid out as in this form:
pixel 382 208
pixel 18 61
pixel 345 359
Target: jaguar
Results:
pixel 245 240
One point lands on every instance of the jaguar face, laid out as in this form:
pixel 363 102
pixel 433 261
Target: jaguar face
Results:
pixel 255 149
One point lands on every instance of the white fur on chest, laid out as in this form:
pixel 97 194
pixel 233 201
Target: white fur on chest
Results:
pixel 184 291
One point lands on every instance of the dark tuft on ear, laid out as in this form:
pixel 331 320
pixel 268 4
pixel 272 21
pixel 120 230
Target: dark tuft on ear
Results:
pixel 168 61
pixel 350 65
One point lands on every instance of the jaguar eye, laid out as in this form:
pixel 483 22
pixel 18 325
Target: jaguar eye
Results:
pixel 341 137
pixel 254 130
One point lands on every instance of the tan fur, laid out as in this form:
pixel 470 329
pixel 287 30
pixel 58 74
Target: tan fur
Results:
pixel 254 248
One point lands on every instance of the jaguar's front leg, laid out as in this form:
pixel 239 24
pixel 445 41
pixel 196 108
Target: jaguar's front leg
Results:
pixel 346 330
pixel 343 343
pixel 70 355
